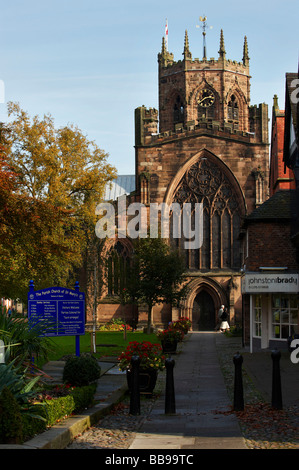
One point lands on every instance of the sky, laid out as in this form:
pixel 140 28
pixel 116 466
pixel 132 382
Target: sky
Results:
pixel 91 63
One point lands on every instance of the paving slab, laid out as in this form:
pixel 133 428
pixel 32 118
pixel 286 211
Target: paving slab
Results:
pixel 200 393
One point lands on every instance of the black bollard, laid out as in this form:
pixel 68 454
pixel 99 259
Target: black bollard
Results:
pixel 276 382
pixel 238 386
pixel 169 392
pixel 135 392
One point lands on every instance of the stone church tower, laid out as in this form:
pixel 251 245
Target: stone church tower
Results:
pixel 205 144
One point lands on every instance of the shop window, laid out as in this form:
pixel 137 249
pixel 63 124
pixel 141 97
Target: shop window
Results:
pixel 284 315
pixel 257 315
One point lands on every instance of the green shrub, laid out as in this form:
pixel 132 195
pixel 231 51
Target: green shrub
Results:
pixel 11 429
pixel 56 409
pixel 235 330
pixel 32 425
pixel 83 397
pixel 80 371
pixel 22 341
pixel 15 379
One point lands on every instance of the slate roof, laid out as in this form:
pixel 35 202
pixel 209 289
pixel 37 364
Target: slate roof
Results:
pixel 278 207
pixel 123 184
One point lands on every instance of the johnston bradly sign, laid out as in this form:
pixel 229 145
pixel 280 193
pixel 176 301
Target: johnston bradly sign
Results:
pixel 258 283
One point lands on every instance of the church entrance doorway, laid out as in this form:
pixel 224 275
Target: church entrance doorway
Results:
pixel 203 314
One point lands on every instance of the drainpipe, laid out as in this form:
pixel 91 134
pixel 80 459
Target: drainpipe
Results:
pixel 250 323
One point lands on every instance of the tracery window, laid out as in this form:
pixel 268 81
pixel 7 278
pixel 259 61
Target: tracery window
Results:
pixel 117 266
pixel 206 112
pixel 205 183
pixel 233 111
pixel 178 111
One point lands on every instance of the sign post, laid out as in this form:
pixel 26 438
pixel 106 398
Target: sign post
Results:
pixel 57 311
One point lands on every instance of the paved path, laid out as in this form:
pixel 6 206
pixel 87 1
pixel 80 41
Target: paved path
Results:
pixel 199 392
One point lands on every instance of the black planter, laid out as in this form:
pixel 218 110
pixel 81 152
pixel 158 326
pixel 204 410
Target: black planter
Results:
pixel 169 347
pixel 147 380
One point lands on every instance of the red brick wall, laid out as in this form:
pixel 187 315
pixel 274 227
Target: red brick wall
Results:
pixel 107 312
pixel 281 177
pixel 270 245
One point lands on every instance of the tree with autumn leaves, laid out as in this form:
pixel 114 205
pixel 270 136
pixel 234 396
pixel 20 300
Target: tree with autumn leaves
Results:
pixel 51 180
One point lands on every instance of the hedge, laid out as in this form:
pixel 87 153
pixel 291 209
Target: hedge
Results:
pixel 52 411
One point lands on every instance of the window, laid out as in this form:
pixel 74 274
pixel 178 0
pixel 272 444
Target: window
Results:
pixel 178 111
pixel 206 113
pixel 206 183
pixel 284 315
pixel 233 111
pixel 117 266
pixel 257 315
pixel 259 187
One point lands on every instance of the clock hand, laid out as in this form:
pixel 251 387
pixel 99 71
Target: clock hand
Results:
pixel 205 98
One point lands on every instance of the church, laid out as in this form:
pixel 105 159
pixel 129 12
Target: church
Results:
pixel 205 144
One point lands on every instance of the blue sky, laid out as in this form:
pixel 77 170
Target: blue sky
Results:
pixel 92 63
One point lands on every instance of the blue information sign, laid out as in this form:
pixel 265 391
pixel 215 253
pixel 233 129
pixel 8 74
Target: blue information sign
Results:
pixel 57 311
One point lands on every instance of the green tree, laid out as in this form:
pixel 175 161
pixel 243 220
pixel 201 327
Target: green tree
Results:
pixel 157 274
pixel 58 178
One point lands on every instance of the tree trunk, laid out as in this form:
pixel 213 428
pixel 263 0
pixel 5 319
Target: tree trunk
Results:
pixel 149 319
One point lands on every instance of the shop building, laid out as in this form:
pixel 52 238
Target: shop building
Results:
pixel 270 282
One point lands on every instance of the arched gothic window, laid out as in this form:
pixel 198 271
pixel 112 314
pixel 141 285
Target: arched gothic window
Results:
pixel 206 104
pixel 117 266
pixel 178 111
pixel 206 183
pixel 259 186
pixel 233 111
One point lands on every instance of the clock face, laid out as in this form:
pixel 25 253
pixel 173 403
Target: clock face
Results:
pixel 206 98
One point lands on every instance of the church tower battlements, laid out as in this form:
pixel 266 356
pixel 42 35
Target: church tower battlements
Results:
pixel 203 95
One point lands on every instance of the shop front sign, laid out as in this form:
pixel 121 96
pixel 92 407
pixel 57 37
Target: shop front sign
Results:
pixel 261 283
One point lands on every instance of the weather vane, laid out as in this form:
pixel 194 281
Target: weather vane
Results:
pixel 203 20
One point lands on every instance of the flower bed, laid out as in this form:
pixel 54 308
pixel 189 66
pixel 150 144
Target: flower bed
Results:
pixel 115 325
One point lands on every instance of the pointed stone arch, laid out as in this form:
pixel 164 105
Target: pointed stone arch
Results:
pixel 176 102
pixel 192 101
pixel 117 253
pixel 208 285
pixel 204 153
pixel 206 179
pixel 241 122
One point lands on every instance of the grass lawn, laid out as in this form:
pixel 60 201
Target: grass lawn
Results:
pixel 109 343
